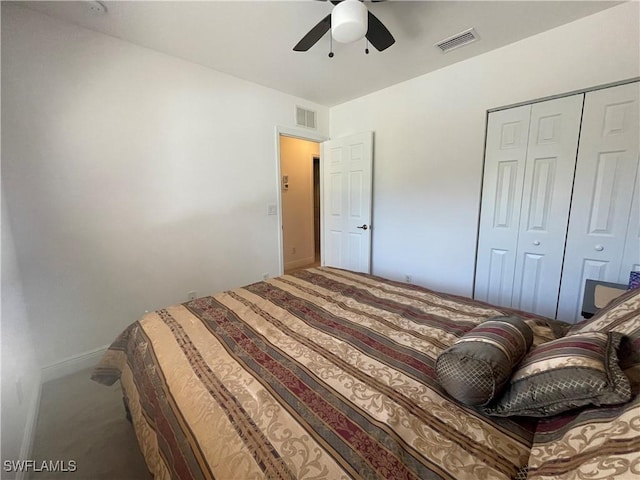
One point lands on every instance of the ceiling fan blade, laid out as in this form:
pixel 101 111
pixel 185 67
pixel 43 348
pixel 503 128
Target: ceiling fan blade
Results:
pixel 315 34
pixel 378 35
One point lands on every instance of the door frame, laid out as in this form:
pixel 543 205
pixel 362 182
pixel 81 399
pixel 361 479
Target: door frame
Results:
pixel 302 135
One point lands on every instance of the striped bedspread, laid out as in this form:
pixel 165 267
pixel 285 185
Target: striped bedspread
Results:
pixel 322 374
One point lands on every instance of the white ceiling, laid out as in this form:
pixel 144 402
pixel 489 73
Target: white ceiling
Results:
pixel 253 40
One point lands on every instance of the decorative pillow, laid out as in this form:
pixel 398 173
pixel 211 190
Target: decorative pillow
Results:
pixel 621 315
pixel 477 366
pixel 564 374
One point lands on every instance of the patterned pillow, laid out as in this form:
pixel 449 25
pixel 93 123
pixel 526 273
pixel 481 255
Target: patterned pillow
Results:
pixel 476 367
pixel 621 315
pixel 564 374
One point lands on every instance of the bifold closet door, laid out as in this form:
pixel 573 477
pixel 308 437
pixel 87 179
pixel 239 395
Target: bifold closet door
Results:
pixel 631 255
pixel 529 166
pixel 546 199
pixel 603 241
pixel 505 157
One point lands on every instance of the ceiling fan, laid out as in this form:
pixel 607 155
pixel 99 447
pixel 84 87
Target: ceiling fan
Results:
pixel 349 21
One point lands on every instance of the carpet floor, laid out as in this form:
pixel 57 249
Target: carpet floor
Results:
pixel 84 421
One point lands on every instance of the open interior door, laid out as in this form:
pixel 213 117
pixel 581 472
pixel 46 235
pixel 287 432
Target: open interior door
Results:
pixel 346 205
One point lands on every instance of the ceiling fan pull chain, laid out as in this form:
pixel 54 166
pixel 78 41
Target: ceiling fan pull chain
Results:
pixel 366 48
pixel 330 46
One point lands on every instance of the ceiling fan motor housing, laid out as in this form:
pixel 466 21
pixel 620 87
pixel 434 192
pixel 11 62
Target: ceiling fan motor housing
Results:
pixel 349 21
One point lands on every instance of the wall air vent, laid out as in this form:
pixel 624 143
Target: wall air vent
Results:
pixel 305 118
pixel 457 40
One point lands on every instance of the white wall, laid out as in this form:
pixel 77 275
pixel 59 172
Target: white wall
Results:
pixel 296 161
pixel 429 138
pixel 131 178
pixel 20 369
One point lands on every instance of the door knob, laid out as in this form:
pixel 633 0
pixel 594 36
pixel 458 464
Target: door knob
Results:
pixel 536 242
pixel 363 227
pixel 598 248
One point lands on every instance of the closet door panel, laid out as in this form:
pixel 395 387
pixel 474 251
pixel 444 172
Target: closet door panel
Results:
pixel 631 256
pixel 601 212
pixel 548 180
pixel 505 156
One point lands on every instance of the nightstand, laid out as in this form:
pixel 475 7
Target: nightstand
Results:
pixel 597 294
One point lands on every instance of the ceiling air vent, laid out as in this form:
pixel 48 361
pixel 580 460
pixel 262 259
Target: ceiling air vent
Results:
pixel 305 118
pixel 458 40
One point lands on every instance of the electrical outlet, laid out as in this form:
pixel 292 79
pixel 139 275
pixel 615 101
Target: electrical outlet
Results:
pixel 192 295
pixel 272 209
pixel 408 278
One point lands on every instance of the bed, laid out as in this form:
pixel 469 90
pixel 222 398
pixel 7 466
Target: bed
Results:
pixel 329 374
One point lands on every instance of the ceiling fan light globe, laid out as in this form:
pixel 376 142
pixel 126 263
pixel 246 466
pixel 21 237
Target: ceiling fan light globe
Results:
pixel 349 21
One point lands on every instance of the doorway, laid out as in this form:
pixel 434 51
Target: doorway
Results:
pixel 300 200
pixel 316 207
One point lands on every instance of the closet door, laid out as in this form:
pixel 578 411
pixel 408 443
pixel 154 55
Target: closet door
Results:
pixel 631 255
pixel 505 156
pixel 529 165
pixel 601 220
pixel 550 167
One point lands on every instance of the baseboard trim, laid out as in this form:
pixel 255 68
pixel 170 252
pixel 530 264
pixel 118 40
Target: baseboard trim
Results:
pixel 30 429
pixel 72 364
pixel 303 262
